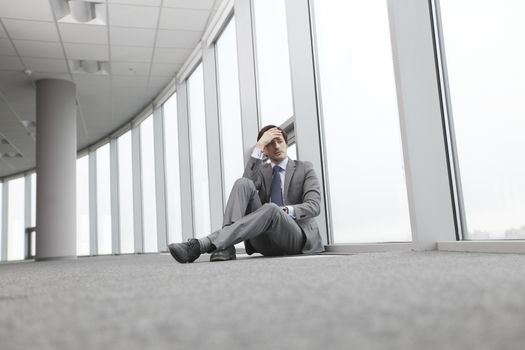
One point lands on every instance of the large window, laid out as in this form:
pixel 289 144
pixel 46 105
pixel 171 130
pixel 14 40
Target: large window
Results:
pixel 103 200
pixel 199 155
pixel 485 52
pixel 171 151
pixel 149 205
pixel 230 108
pixel 83 205
pixel 366 179
pixel 273 63
pixel 33 213
pixel 1 217
pixel 125 183
pixel 15 219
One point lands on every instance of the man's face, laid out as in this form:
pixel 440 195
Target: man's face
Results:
pixel 276 150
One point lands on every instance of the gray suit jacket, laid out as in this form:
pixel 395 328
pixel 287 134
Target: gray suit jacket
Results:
pixel 301 191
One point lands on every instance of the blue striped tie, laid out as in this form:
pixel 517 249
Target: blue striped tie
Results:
pixel 277 192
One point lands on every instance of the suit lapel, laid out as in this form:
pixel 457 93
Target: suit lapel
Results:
pixel 267 175
pixel 290 169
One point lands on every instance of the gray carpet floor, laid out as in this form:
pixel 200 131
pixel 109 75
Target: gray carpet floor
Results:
pixel 410 300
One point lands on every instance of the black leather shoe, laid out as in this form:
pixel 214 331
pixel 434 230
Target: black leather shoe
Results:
pixel 249 248
pixel 185 252
pixel 224 254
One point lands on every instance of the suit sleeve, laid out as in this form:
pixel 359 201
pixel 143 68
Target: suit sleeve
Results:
pixel 253 171
pixel 311 203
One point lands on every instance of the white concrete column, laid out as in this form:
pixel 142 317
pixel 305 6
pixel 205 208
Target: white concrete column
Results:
pixel 56 155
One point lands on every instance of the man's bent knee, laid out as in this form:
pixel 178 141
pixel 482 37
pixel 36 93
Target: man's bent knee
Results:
pixel 244 183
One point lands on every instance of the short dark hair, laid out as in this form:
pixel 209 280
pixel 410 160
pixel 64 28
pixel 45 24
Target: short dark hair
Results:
pixel 268 127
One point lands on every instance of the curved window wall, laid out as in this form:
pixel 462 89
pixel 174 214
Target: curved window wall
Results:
pixel 125 182
pixel 273 63
pixel 199 157
pixel 486 79
pixel 149 206
pixel 367 189
pixel 103 201
pixel 171 159
pixel 83 205
pixel 229 108
pixel 15 219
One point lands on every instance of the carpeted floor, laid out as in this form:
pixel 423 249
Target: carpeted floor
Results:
pixel 429 300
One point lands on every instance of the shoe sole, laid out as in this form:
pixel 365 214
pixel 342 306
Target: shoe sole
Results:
pixel 223 259
pixel 172 252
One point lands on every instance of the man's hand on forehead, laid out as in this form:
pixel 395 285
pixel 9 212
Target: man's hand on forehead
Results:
pixel 269 136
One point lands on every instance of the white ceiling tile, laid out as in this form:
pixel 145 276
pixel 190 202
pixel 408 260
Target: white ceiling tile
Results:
pixel 44 49
pixel 130 68
pixel 131 81
pixel 133 16
pixel 180 39
pixel 3 34
pixel 46 65
pixel 164 55
pixel 164 69
pixel 31 30
pixel 61 76
pixel 87 51
pixel 182 19
pixel 26 9
pixel 189 4
pixel 6 48
pixel 83 33
pixel 159 82
pixel 131 54
pixel 136 2
pixel 132 36
pixel 10 63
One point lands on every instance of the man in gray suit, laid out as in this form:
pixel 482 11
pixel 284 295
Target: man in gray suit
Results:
pixel 272 208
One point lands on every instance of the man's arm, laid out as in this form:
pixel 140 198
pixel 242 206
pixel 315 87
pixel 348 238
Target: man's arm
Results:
pixel 311 204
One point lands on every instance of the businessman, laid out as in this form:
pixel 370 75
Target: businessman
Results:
pixel 272 208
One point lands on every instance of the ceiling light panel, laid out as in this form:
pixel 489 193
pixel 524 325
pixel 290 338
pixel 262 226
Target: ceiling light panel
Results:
pixel 190 4
pixel 178 39
pixel 42 49
pixel 182 19
pixel 80 11
pixel 133 16
pixel 26 9
pixel 31 30
pixel 83 33
pixel 141 37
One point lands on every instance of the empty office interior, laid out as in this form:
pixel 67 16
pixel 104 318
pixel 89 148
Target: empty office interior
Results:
pixel 125 123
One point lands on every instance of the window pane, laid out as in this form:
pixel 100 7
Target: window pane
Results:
pixel 103 200
pixel 125 182
pixel 15 219
pixel 1 216
pixel 273 62
pixel 83 205
pixel 149 205
pixel 171 144
pixel 292 151
pixel 33 201
pixel 361 123
pixel 485 52
pixel 199 155
pixel 230 108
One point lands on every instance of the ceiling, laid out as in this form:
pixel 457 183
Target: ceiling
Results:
pixel 120 59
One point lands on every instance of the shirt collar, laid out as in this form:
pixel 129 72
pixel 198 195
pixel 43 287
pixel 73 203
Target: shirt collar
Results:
pixel 282 164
